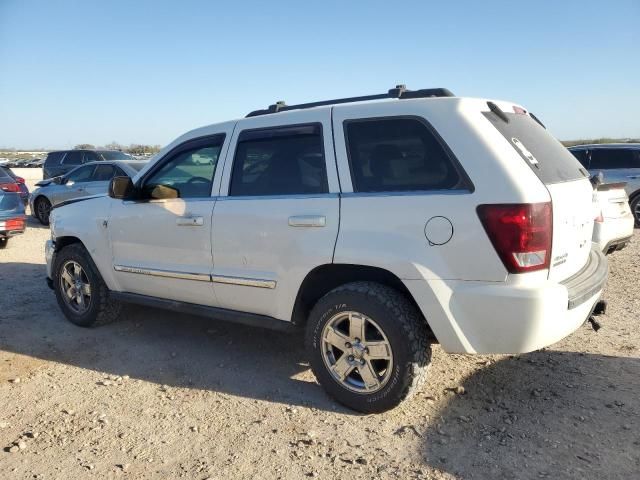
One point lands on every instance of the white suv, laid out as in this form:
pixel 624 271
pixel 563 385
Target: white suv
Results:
pixel 380 224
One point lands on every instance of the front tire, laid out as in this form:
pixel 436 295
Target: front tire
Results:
pixel 80 291
pixel 43 210
pixel 369 346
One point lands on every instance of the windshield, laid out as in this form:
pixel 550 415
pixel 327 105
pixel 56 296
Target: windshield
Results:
pixel 113 155
pixel 546 156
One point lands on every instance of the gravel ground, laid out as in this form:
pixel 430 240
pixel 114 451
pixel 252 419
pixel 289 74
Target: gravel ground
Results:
pixel 163 396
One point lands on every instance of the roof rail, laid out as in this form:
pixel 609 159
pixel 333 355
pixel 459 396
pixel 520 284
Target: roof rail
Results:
pixel 400 92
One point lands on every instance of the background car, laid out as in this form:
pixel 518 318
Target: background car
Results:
pixel 24 190
pixel 619 162
pixel 613 225
pixel 85 180
pixel 61 162
pixel 12 218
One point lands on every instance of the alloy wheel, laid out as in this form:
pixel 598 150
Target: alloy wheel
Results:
pixel 75 287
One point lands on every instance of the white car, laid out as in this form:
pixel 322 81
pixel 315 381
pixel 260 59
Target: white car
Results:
pixel 614 222
pixel 380 224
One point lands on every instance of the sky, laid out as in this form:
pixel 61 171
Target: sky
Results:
pixel 91 71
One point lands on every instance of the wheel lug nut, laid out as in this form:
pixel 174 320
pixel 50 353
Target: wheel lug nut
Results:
pixel 350 357
pixel 362 361
pixel 347 345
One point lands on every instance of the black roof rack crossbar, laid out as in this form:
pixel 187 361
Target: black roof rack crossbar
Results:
pixel 400 92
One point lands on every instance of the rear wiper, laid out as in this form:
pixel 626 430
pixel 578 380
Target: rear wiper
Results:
pixel 537 120
pixel 496 109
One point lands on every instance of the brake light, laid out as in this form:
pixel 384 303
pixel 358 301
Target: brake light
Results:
pixel 520 233
pixel 14 224
pixel 10 187
pixel 19 180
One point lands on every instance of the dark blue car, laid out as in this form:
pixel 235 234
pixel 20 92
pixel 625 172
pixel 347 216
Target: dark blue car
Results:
pixel 12 217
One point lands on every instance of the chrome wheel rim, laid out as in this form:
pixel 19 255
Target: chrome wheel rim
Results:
pixel 357 352
pixel 75 287
pixel 43 209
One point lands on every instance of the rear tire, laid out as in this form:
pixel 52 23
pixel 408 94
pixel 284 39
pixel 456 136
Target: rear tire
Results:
pixel 392 349
pixel 43 210
pixel 80 291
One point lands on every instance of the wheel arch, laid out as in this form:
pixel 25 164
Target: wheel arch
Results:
pixel 324 278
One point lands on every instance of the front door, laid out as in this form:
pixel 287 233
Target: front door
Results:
pixel 162 242
pixel 277 216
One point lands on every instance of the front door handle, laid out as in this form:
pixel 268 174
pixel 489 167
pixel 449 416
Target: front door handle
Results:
pixel 307 221
pixel 190 221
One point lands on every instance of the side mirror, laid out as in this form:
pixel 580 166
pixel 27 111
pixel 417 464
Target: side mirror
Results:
pixel 121 188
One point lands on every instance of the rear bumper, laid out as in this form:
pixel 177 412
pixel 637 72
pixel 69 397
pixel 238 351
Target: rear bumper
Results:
pixel 613 232
pixel 484 317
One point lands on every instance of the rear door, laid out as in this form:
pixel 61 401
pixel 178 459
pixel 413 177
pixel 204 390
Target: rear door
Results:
pixel 278 211
pixel 567 182
pixel 617 164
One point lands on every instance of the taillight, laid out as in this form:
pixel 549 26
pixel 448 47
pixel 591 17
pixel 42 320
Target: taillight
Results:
pixel 14 224
pixel 520 233
pixel 20 180
pixel 599 218
pixel 10 187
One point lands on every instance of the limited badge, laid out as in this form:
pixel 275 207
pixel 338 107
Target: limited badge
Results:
pixel 525 153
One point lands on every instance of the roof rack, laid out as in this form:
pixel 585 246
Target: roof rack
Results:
pixel 400 92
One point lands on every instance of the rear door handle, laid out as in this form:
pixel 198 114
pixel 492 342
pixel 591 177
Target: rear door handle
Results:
pixel 189 221
pixel 307 221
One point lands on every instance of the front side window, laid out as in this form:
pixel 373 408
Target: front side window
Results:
pixel 73 157
pixel 603 158
pixel 397 154
pixel 188 173
pixel 279 161
pixel 79 175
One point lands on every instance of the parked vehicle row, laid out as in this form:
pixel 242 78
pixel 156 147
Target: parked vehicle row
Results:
pixel 619 163
pixel 12 216
pixel 380 224
pixel 89 179
pixel 63 161
pixel 23 163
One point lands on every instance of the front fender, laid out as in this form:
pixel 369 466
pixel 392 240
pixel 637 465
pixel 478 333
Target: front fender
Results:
pixel 87 221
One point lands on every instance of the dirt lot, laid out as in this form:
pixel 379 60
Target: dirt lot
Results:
pixel 158 396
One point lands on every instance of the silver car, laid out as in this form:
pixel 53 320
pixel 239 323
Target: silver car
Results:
pixel 89 179
pixel 618 162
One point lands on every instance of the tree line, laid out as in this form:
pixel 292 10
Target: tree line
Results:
pixel 133 149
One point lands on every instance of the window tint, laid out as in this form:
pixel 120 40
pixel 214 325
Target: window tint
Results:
pixel 73 157
pixel 582 157
pixel 91 157
pixel 279 161
pixel 397 154
pixel 187 174
pixel 603 158
pixel 82 174
pixel 54 158
pixel 103 173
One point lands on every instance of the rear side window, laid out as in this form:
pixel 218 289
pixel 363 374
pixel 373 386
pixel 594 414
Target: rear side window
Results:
pixel 73 158
pixel 279 161
pixel 54 158
pixel 546 156
pixel 103 173
pixel 604 158
pixel 398 154
pixel 113 155
pixel 91 157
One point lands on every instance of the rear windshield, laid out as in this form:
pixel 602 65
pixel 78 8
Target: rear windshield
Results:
pixel 8 201
pixel 546 156
pixel 113 155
